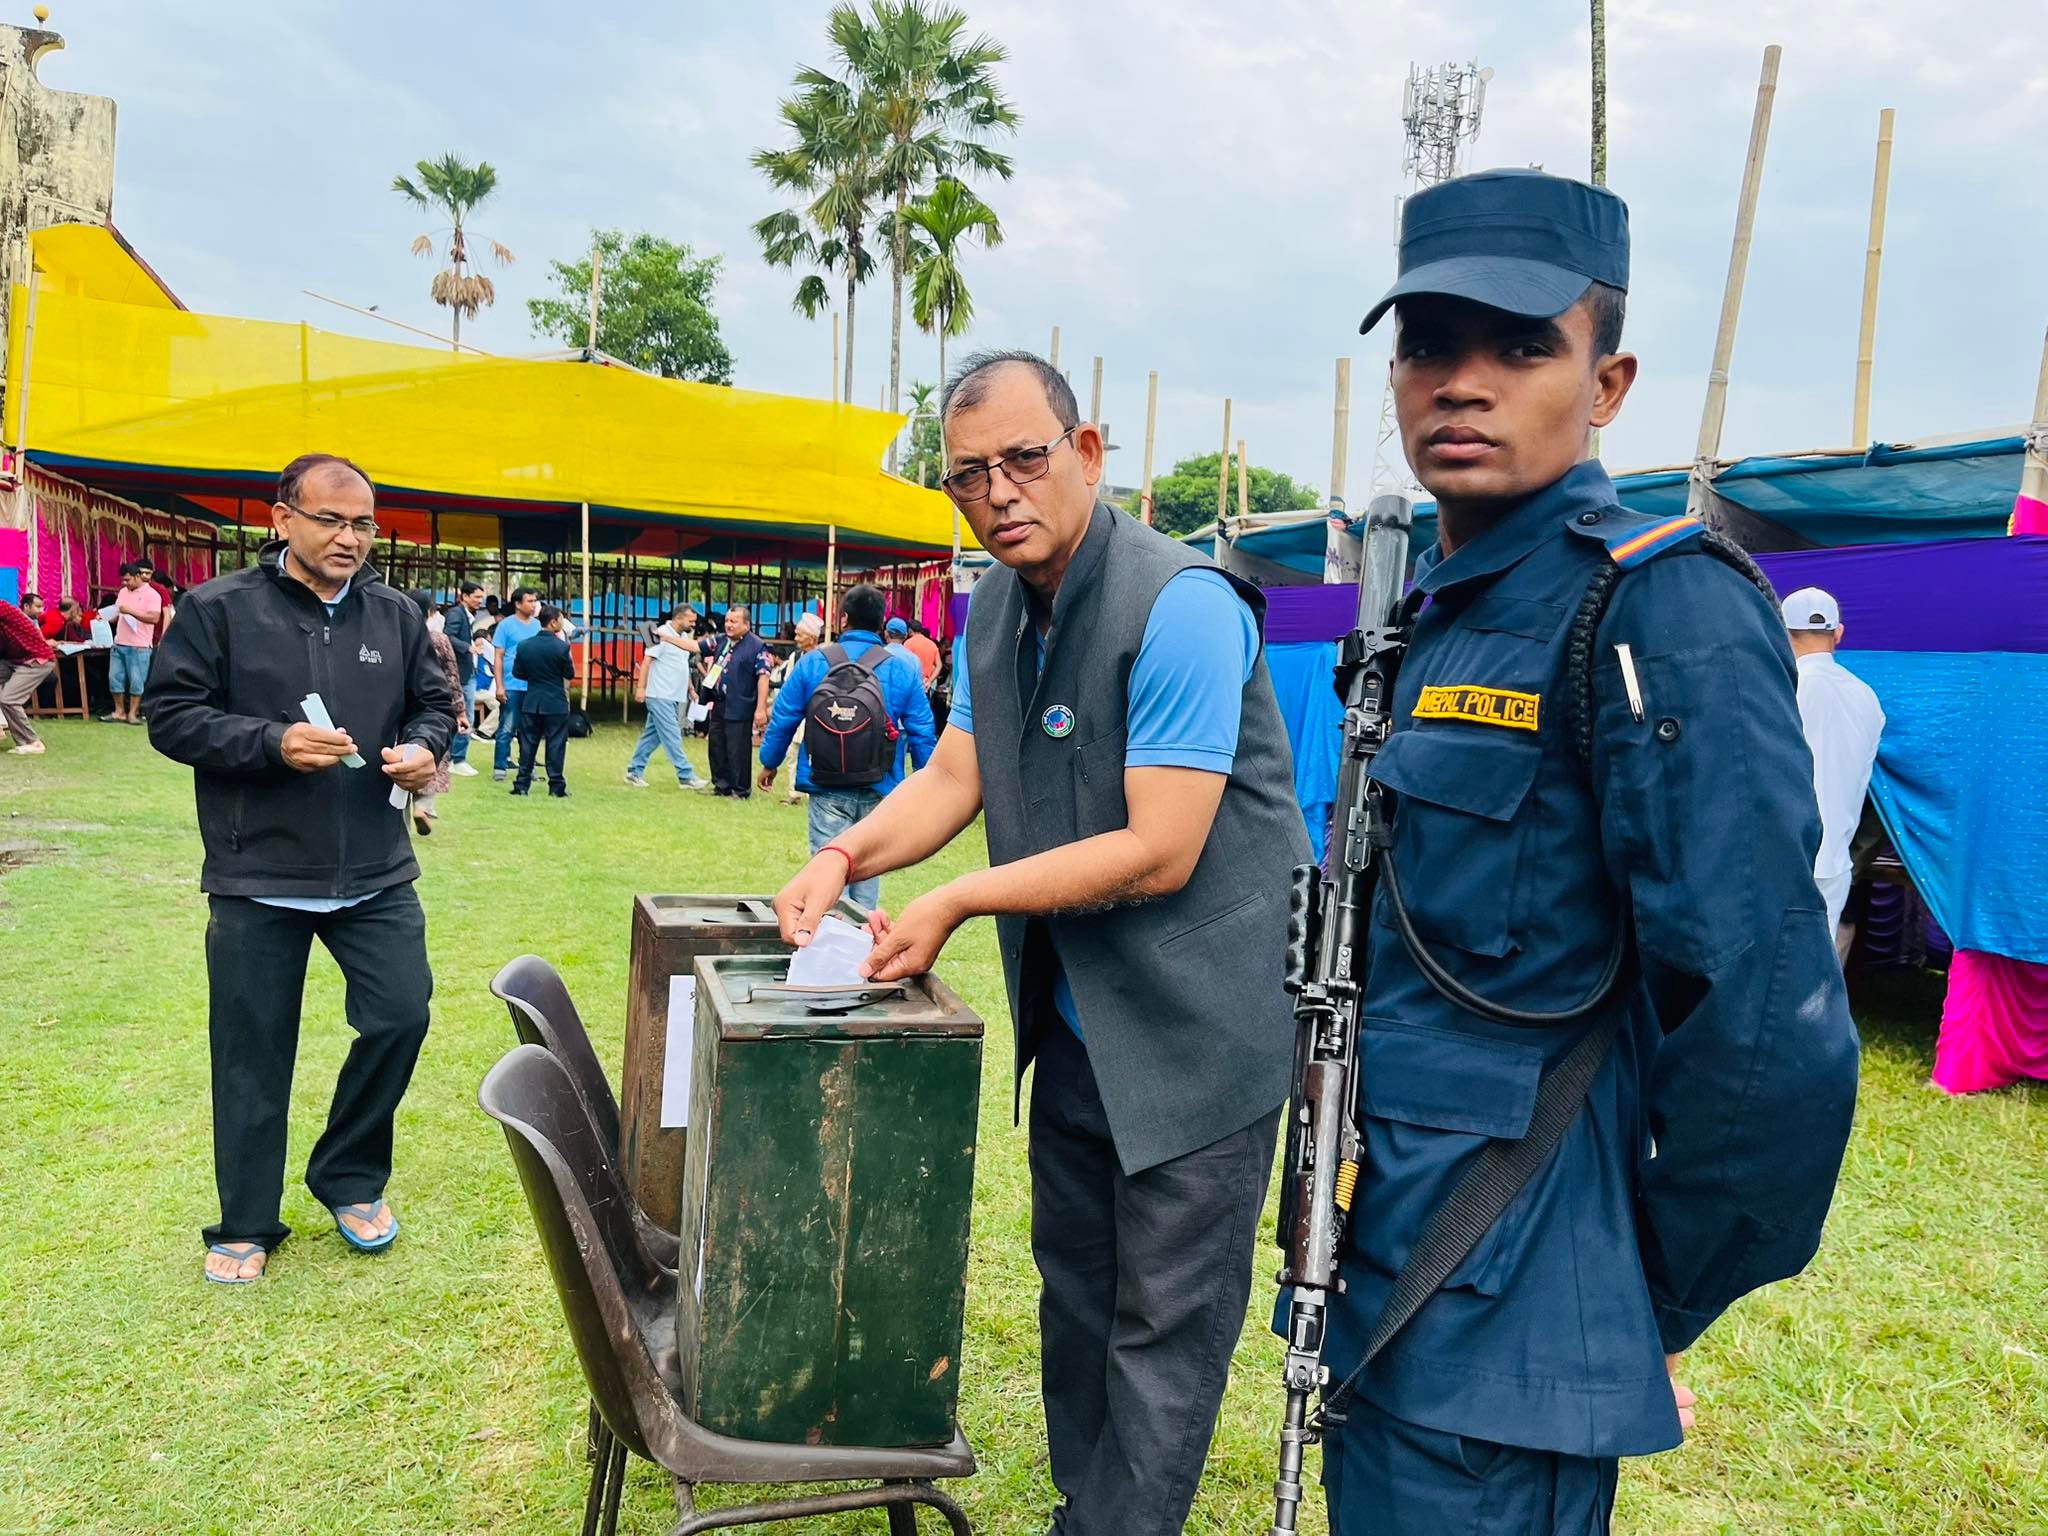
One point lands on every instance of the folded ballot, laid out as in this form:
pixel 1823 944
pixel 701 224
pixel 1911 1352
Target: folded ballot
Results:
pixel 833 957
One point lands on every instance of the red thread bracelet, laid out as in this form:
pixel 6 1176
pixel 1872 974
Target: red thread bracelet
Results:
pixel 835 848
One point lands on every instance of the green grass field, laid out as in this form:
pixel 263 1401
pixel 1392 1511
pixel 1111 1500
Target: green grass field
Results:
pixel 1899 1387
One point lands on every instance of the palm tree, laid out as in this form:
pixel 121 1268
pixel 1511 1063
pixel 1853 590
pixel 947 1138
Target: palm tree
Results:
pixel 456 190
pixel 931 94
pixel 831 164
pixel 948 218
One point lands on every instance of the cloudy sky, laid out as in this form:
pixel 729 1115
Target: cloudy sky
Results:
pixel 1203 188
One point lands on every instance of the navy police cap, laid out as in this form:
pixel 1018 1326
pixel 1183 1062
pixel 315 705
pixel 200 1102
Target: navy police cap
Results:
pixel 1519 240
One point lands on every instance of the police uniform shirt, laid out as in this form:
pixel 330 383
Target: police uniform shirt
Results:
pixel 1702 1163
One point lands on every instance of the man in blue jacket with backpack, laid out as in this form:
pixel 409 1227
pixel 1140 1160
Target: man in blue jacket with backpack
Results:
pixel 863 711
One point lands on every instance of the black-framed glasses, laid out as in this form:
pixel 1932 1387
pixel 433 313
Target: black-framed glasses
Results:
pixel 361 527
pixel 1019 468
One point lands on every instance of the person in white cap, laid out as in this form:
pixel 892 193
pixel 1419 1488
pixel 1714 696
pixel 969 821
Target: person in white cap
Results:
pixel 1842 721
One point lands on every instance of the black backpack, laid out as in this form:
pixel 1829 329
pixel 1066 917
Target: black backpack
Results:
pixel 848 735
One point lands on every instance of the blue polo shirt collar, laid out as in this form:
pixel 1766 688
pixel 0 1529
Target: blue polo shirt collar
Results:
pixel 1582 488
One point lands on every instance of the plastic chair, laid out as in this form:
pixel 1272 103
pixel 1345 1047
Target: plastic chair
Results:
pixel 621 1315
pixel 544 1015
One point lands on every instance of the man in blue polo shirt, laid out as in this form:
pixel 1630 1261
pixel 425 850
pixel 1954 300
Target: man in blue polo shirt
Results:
pixel 1114 725
pixel 832 811
pixel 520 624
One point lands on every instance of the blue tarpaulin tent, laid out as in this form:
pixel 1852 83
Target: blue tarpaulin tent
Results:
pixel 1901 493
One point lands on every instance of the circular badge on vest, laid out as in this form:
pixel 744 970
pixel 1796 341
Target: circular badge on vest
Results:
pixel 1058 721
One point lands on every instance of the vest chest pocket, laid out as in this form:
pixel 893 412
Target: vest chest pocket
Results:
pixel 1459 831
pixel 1097 769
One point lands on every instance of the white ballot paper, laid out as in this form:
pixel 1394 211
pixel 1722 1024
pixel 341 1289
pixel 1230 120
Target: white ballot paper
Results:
pixel 315 709
pixel 833 957
pixel 675 1061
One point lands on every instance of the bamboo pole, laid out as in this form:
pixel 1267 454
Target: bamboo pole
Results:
pixel 834 394
pixel 1055 358
pixel 28 358
pixel 1599 20
pixel 1223 471
pixel 1151 432
pixel 589 629
pixel 1698 500
pixel 1243 493
pixel 2034 477
pixel 1873 258
pixel 1095 396
pixel 596 287
pixel 1340 435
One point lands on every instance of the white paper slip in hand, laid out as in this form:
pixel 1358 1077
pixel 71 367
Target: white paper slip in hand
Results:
pixel 833 957
pixel 675 1061
pixel 315 709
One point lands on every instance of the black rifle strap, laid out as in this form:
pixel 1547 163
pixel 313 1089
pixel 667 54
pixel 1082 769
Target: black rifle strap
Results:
pixel 1500 1172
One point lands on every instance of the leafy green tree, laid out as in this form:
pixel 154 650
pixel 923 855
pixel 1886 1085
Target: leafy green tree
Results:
pixel 949 217
pixel 832 163
pixel 925 462
pixel 1184 498
pixel 453 187
pixel 929 91
pixel 653 307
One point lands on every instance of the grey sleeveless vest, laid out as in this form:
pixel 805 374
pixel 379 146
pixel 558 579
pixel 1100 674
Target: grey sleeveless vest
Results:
pixel 1189 1031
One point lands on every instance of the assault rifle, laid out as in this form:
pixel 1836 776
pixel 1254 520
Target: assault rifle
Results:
pixel 1326 953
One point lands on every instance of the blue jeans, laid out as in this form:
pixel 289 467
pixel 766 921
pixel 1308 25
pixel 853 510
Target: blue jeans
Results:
pixel 832 812
pixel 664 729
pixel 458 752
pixel 508 730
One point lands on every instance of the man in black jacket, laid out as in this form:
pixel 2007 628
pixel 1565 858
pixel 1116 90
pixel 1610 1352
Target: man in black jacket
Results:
pixel 461 630
pixel 302 841
pixel 544 662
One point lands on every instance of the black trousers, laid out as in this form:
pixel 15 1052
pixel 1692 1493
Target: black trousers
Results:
pixel 533 731
pixel 256 980
pixel 732 754
pixel 1144 1277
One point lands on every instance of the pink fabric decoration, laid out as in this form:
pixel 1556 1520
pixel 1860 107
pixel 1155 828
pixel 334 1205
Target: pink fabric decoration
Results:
pixel 1994 1025
pixel 2028 516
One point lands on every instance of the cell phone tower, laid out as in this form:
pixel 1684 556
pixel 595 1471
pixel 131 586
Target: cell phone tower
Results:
pixel 1439 114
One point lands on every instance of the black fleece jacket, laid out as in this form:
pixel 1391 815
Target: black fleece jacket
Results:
pixel 227 682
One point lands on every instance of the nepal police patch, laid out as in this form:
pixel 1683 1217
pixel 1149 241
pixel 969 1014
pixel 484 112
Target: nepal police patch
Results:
pixel 1058 721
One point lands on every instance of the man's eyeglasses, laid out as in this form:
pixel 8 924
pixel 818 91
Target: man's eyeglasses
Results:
pixel 361 527
pixel 1019 468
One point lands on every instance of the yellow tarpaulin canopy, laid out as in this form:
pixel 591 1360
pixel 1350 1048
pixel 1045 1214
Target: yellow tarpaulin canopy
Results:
pixel 92 261
pixel 134 384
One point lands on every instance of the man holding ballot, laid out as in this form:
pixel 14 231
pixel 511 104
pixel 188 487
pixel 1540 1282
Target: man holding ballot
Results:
pixel 1114 723
pixel 303 693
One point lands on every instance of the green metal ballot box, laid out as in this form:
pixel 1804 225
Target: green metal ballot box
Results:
pixel 669 933
pixel 826 1197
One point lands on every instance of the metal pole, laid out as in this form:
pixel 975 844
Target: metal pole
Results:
pixel 831 574
pixel 1873 258
pixel 1095 396
pixel 596 287
pixel 1699 501
pixel 1055 358
pixel 1151 431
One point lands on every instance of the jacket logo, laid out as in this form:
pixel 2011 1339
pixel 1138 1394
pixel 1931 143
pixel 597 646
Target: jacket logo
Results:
pixel 366 654
pixel 1480 706
pixel 1058 721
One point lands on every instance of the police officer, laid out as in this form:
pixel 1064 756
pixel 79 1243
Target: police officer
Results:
pixel 1115 727
pixel 1664 818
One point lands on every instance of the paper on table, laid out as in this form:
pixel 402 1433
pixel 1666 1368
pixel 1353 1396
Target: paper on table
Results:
pixel 833 957
pixel 675 1061
pixel 315 709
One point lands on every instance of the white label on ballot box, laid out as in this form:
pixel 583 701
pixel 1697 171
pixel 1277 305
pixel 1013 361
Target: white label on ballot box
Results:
pixel 675 1062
